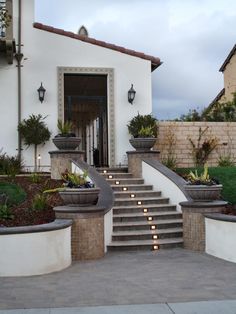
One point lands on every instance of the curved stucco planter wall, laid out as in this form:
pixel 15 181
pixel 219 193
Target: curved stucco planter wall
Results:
pixel 162 178
pixel 35 250
pixel 220 236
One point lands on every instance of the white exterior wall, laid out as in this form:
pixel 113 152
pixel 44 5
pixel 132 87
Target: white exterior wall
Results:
pixel 36 253
pixel 161 182
pixel 108 228
pixel 220 239
pixel 45 52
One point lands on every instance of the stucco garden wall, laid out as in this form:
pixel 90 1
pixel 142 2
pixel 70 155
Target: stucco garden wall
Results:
pixel 180 132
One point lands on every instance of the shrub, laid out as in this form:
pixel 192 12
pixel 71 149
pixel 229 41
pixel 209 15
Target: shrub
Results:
pixel 143 124
pixel 203 148
pixel 5 212
pixel 35 177
pixel 170 161
pixel 40 202
pixel 226 161
pixel 169 158
pixel 10 165
pixel 14 193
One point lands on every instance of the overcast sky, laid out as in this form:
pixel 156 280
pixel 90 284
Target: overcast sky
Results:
pixel 191 37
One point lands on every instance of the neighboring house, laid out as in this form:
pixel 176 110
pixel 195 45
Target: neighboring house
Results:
pixel 86 81
pixel 228 69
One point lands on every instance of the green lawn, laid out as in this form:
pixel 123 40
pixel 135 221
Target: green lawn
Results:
pixel 15 194
pixel 225 175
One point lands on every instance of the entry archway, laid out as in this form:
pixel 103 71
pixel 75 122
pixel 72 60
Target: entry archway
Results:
pixel 86 98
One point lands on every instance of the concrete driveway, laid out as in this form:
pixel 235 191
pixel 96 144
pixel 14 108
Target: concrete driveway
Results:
pixel 145 277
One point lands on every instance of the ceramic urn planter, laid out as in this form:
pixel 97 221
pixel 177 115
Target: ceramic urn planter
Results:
pixel 80 196
pixel 143 143
pixel 204 193
pixel 66 143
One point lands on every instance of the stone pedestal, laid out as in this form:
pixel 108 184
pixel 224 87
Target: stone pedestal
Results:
pixel 194 222
pixel 87 234
pixel 135 160
pixel 61 160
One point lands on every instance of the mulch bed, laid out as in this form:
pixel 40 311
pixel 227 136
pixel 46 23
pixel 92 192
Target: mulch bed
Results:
pixel 23 213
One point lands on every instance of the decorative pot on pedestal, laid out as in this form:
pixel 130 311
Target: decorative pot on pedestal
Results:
pixel 78 190
pixel 202 188
pixel 142 143
pixel 143 129
pixel 204 193
pixel 80 196
pixel 66 142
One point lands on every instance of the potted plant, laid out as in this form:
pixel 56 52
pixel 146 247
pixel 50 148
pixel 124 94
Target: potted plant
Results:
pixel 66 139
pixel 77 190
pixel 143 129
pixel 202 188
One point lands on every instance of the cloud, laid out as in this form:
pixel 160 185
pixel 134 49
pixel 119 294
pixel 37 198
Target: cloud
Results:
pixel 192 38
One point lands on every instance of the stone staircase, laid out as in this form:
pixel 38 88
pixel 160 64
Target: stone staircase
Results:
pixel 142 218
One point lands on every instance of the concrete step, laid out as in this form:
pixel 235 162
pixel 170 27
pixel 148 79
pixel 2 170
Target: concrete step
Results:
pixel 147 234
pixel 112 170
pixel 142 219
pixel 145 225
pixel 145 217
pixel 145 244
pixel 141 209
pixel 136 194
pixel 140 201
pixel 117 175
pixel 125 181
pixel 132 187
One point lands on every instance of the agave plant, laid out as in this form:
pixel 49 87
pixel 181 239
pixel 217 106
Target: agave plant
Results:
pixel 65 128
pixel 201 179
pixel 75 180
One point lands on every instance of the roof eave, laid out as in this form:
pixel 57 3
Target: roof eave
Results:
pixel 227 60
pixel 155 65
pixel 154 60
pixel 217 98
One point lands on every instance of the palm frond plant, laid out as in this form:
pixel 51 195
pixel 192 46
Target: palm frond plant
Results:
pixel 34 132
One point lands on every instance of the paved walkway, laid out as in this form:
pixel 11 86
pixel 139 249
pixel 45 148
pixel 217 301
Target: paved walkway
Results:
pixel 205 307
pixel 139 282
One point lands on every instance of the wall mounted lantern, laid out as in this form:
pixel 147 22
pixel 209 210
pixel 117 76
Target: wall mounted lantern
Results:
pixel 41 90
pixel 131 95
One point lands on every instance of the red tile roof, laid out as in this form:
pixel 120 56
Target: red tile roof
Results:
pixel 227 60
pixel 155 61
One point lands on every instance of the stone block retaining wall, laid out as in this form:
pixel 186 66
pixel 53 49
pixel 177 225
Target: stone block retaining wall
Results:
pixel 180 132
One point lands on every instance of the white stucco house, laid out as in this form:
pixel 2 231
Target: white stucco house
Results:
pixel 86 81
